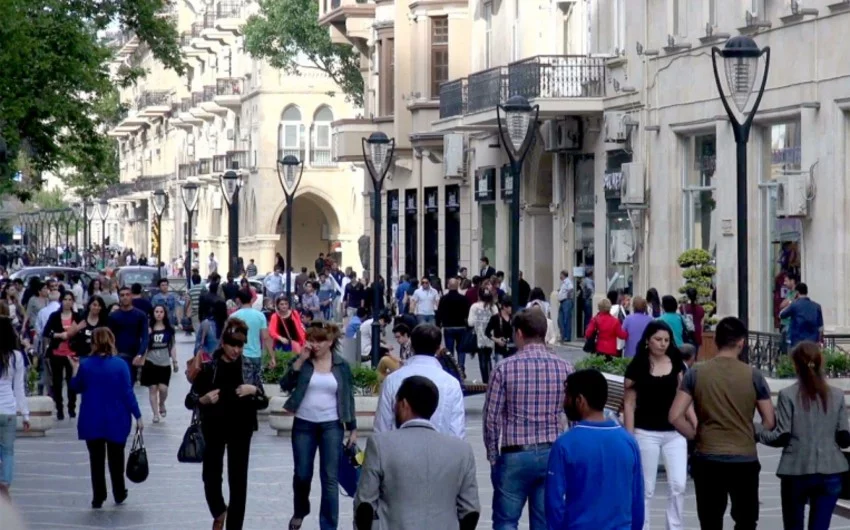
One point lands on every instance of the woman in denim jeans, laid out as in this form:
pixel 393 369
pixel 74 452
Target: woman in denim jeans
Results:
pixel 322 398
pixel 12 400
pixel 812 427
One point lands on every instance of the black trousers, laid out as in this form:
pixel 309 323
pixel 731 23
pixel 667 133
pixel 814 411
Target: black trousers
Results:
pixel 101 451
pixel 715 482
pixel 485 363
pixel 60 368
pixel 238 445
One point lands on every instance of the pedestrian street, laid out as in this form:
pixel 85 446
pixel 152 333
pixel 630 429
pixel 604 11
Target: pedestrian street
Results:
pixel 53 492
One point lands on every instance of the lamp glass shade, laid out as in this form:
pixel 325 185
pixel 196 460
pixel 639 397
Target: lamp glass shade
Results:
pixel 103 210
pixel 741 74
pixel 90 211
pixel 379 152
pixel 288 173
pixel 191 191
pixel 158 200
pixel 230 182
pixel 517 119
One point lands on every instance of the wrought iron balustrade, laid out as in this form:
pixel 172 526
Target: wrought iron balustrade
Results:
pixel 219 163
pixel 204 166
pixel 209 92
pixel 239 158
pixel 228 9
pixel 557 76
pixel 453 96
pixel 486 89
pixel 197 98
pixel 229 86
pixel 185 104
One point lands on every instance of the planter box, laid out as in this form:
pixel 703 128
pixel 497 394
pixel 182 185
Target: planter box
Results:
pixel 708 350
pixel 271 391
pixel 281 420
pixel 41 416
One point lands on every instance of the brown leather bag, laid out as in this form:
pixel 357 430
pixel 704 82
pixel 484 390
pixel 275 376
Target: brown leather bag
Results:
pixel 194 366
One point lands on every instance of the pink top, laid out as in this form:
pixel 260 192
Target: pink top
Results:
pixel 64 349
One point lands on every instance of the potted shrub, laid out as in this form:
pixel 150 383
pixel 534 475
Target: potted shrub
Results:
pixel 41 408
pixel 698 272
pixel 271 377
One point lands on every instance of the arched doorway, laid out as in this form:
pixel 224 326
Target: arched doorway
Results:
pixel 315 224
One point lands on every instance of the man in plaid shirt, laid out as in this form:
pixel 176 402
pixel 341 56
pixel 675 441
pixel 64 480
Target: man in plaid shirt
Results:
pixel 524 410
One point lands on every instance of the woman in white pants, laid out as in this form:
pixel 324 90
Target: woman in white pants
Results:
pixel 652 380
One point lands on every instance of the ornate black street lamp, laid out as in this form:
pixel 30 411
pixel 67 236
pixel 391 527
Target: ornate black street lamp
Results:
pixel 741 60
pixel 516 130
pixel 289 172
pixel 91 212
pixel 378 152
pixel 79 213
pixel 103 213
pixel 191 191
pixel 231 183
pixel 159 200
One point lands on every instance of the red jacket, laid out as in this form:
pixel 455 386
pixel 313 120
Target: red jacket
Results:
pixel 275 326
pixel 609 331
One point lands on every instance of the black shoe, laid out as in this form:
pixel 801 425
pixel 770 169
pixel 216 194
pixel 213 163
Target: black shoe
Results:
pixel 97 504
pixel 60 415
pixel 121 497
pixel 72 413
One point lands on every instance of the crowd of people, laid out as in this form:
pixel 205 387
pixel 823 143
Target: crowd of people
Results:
pixel 552 440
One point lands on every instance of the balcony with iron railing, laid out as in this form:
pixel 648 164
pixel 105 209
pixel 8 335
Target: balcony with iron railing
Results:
pixel 188 169
pixel 154 102
pixel 185 104
pixel 300 154
pixel 228 92
pixel 238 157
pixel 229 9
pixel 197 29
pixel 197 99
pixel 209 93
pixel 204 166
pixel 219 163
pixel 543 77
pixel 321 157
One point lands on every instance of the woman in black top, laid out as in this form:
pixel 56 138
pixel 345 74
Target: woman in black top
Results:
pixel 651 382
pixel 95 317
pixel 227 398
pixel 500 331
pixel 58 330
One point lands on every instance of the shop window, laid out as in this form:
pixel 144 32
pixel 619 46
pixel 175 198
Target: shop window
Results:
pixel 452 231
pixel 431 232
pixel 700 214
pixel 392 237
pixel 411 227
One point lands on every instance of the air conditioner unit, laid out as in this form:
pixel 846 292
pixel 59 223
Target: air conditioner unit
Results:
pixel 634 173
pixel 615 127
pixel 453 159
pixel 563 134
pixel 792 195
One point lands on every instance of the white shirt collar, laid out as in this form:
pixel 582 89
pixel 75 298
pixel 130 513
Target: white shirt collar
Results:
pixel 428 360
pixel 418 422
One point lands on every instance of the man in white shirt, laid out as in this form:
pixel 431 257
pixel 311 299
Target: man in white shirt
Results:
pixel 212 264
pixel 424 301
pixel 565 311
pixel 366 336
pixel 52 306
pixel 450 417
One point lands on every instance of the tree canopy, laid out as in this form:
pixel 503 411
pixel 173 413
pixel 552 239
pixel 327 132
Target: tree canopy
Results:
pixel 286 30
pixel 57 93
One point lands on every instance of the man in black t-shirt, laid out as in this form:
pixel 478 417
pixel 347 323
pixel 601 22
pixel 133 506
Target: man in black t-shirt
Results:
pixel 140 302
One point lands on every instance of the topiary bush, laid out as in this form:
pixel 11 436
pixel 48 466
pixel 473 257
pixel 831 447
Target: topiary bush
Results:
pixel 698 273
pixel 613 365
pixel 272 376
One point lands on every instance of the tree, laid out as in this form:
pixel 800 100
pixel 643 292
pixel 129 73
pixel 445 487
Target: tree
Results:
pixel 285 31
pixel 57 98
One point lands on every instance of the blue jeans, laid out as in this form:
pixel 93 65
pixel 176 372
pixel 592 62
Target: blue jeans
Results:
pixel 453 337
pixel 7 448
pixel 517 478
pixel 565 319
pixel 425 319
pixel 820 492
pixel 307 437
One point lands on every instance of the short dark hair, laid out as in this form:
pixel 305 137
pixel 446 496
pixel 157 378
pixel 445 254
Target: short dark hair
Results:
pixel 421 394
pixel 592 385
pixel 303 269
pixel 613 297
pixel 124 288
pixel 485 260
pixel 803 289
pixel 401 328
pixel 244 298
pixel 425 339
pixel 162 280
pixel 729 331
pixel 532 324
pixel 669 303
pixel 136 288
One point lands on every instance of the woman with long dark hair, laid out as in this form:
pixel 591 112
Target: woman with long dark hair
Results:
pixel 95 317
pixel 285 327
pixel 651 382
pixel 108 403
pixel 160 360
pixel 228 405
pixel 12 400
pixel 58 330
pixel 479 317
pixel 812 428
pixel 653 300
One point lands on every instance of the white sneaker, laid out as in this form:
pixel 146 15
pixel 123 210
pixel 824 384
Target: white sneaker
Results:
pixel 156 419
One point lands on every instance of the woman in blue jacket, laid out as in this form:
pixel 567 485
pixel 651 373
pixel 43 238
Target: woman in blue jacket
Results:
pixel 103 382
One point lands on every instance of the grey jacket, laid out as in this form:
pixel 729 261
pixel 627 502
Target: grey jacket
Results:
pixel 296 382
pixel 418 479
pixel 811 447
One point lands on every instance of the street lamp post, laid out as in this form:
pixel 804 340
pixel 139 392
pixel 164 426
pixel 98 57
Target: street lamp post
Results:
pixel 159 200
pixel 190 192
pixel 289 172
pixel 517 121
pixel 741 59
pixel 378 152
pixel 77 208
pixel 90 214
pixel 231 183
pixel 103 213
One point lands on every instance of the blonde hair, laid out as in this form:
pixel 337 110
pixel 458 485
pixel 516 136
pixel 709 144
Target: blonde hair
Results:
pixel 604 305
pixel 322 331
pixel 103 342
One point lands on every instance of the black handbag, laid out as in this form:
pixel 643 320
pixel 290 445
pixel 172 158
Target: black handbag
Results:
pixel 590 343
pixel 192 448
pixel 137 462
pixel 469 342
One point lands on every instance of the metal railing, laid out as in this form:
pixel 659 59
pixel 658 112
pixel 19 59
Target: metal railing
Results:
pixel 189 169
pixel 209 92
pixel 321 157
pixel 197 28
pixel 186 38
pixel 228 86
pixel 297 153
pixel 219 163
pixel 557 76
pixel 764 350
pixel 209 20
pixel 453 98
pixel 837 341
pixel 154 98
pixel 228 9
pixel 143 184
pixel 204 166
pixel 240 158
pixel 486 89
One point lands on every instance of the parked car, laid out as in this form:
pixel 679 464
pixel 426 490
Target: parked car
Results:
pixel 71 274
pixel 148 277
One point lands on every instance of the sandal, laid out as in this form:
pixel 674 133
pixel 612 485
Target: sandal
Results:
pixel 293 525
pixel 218 522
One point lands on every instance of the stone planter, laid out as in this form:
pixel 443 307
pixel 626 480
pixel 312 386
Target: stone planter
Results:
pixel 281 420
pixel 41 416
pixel 271 391
pixel 708 350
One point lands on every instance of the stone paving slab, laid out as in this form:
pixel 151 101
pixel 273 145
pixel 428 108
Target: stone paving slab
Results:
pixel 53 491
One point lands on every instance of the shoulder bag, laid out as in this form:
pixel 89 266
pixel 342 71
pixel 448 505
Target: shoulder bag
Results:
pixel 687 334
pixel 192 448
pixel 590 343
pixel 137 461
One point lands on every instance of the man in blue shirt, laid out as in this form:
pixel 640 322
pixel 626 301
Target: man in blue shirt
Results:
pixel 595 456
pixel 400 293
pixel 167 299
pixel 130 328
pixel 354 324
pixel 806 318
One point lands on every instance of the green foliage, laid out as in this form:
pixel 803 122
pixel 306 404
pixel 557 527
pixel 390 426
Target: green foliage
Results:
pixel 273 376
pixel 32 381
pixel 365 379
pixel 49 200
pixel 836 364
pixel 56 91
pixel 284 31
pixel 612 365
pixel 698 274
pixel 785 368
pixel 695 257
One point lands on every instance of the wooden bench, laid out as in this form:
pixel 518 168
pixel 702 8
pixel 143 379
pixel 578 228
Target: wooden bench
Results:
pixel 616 392
pixel 471 389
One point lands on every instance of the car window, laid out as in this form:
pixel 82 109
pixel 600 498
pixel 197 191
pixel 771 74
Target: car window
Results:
pixel 144 278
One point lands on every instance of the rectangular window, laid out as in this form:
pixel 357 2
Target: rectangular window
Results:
pixel 679 18
pixel 387 76
pixel 618 27
pixel 439 54
pixel 700 218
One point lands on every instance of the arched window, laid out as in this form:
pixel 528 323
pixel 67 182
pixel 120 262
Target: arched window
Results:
pixel 290 135
pixel 320 145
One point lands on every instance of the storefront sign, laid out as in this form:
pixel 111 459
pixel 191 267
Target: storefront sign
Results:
pixel 507 182
pixel 410 202
pixel 431 205
pixel 452 199
pixel 485 184
pixel 393 202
